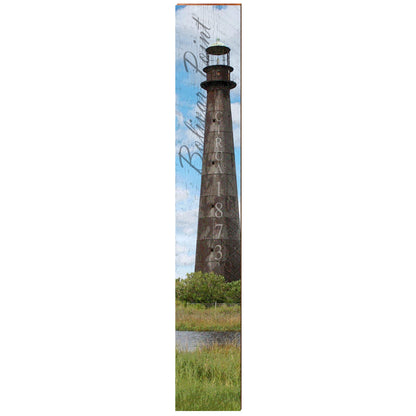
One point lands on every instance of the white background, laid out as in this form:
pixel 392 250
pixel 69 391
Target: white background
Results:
pixel 87 208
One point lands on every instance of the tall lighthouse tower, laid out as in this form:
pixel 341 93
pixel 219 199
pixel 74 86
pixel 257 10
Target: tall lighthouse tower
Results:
pixel 218 247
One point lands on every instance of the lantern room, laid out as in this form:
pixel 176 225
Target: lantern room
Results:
pixel 218 54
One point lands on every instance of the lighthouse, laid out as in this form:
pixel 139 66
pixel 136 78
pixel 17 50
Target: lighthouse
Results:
pixel 218 247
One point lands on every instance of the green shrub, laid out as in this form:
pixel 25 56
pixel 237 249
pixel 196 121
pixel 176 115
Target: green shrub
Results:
pixel 179 288
pixel 233 294
pixel 202 287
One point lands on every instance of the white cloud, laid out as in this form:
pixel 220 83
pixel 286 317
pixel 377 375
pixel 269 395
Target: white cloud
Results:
pixel 187 222
pixel 181 194
pixel 185 255
pixel 221 23
pixel 181 249
pixel 235 114
pixel 185 136
pixel 179 116
pixel 184 260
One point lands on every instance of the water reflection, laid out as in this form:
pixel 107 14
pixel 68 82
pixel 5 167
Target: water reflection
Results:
pixel 191 340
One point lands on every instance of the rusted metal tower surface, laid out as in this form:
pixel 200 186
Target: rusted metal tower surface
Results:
pixel 218 247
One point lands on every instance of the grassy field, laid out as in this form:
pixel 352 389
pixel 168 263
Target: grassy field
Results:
pixel 208 379
pixel 201 318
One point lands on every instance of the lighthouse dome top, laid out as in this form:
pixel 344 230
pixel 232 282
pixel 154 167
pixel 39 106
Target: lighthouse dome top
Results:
pixel 218 48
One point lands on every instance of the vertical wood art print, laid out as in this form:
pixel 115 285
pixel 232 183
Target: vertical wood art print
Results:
pixel 208 220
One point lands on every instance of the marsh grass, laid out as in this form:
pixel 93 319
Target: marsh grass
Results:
pixel 209 378
pixel 201 318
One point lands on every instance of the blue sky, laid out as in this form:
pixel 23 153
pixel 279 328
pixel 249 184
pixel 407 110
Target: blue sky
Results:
pixel 196 25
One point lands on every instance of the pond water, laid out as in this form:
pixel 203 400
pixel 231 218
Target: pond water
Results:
pixel 191 340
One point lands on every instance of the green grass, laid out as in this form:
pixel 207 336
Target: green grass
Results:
pixel 209 378
pixel 201 318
